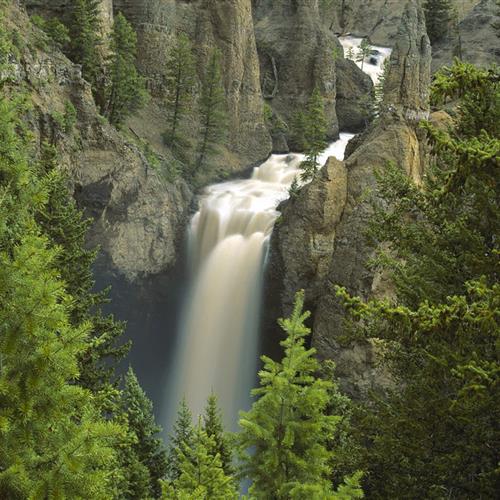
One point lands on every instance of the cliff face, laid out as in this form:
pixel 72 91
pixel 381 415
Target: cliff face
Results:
pixel 477 39
pixel 296 55
pixel 138 218
pixel 332 249
pixel 227 25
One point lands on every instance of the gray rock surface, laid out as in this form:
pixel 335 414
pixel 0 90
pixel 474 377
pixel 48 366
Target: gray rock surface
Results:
pixel 477 39
pixel 342 220
pixel 296 55
pixel 138 218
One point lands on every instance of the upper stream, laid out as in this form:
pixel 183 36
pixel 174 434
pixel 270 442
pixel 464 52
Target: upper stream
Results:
pixel 217 345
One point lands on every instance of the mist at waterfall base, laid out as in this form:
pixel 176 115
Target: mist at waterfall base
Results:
pixel 157 308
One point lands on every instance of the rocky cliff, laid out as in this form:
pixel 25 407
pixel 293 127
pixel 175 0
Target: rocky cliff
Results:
pixel 320 241
pixel 475 40
pixel 138 217
pixel 296 55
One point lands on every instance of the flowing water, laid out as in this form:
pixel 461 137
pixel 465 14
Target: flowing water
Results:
pixel 228 239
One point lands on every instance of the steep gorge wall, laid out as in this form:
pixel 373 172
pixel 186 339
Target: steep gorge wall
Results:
pixel 320 240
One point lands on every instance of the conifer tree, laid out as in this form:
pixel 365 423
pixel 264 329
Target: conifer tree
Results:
pixel 201 474
pixel 181 440
pixel 66 228
pixel 180 81
pixel 86 41
pixel 212 425
pixel 288 428
pixel 298 131
pixel 433 435
pixel 364 51
pixel 53 442
pixel 315 127
pixel 126 92
pixel 147 459
pixel 438 15
pixel 212 110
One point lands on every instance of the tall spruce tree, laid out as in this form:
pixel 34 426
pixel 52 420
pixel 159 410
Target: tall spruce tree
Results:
pixel 86 44
pixel 434 434
pixel 181 440
pixel 315 126
pixel 126 92
pixel 53 443
pixel 180 81
pixel 364 51
pixel 201 474
pixel 213 116
pixel 288 428
pixel 146 458
pixel 212 425
pixel 438 16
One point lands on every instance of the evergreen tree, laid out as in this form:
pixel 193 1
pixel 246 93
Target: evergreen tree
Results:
pixel 53 442
pixel 298 131
pixel 180 81
pixel 288 427
pixel 315 127
pixel 434 434
pixel 126 92
pixel 147 460
pixel 181 440
pixel 201 474
pixel 438 15
pixel 212 110
pixel 364 51
pixel 212 425
pixel 86 41
pixel 66 229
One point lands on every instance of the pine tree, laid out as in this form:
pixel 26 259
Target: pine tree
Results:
pixel 201 474
pixel 314 135
pixel 86 41
pixel 438 14
pixel 66 228
pixel 433 435
pixel 212 425
pixel 147 460
pixel 212 110
pixel 53 443
pixel 364 51
pixel 126 92
pixel 288 427
pixel 180 81
pixel 181 440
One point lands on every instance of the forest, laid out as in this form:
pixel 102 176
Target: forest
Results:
pixel 422 297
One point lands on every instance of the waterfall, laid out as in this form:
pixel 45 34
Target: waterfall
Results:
pixel 228 239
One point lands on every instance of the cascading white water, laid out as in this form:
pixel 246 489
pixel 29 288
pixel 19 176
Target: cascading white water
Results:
pixel 228 236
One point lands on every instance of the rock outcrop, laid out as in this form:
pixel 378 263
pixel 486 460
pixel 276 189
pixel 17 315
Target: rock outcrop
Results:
pixel 477 39
pixel 339 224
pixel 376 19
pixel 296 55
pixel 138 217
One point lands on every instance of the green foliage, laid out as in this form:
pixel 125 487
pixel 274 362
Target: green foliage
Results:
pixel 145 459
pixel 379 88
pixel 86 42
pixel 53 444
pixel 202 474
pixel 180 82
pixel 288 428
pixel 65 121
pixel 315 126
pixel 364 51
pixel 434 434
pixel 181 440
pixel 438 15
pixel 298 131
pixel 274 123
pixel 54 29
pixel 212 425
pixel 126 91
pixel 212 111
